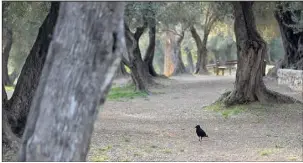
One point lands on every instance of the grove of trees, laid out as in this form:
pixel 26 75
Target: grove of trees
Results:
pixel 61 58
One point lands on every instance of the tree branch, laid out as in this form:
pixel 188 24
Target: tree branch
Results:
pixel 140 30
pixel 173 31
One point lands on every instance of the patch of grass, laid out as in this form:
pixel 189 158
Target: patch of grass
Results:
pixel 292 158
pixel 106 148
pixel 100 154
pixel 127 92
pixel 9 88
pixel 99 158
pixel 226 111
pixel 167 151
pixel 265 152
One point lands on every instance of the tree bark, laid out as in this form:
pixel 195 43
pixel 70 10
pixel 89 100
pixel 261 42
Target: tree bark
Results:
pixel 81 63
pixel 292 42
pixel 27 84
pixel 7 41
pixel 251 49
pixel 150 52
pixel 201 50
pixel 173 64
pixel 180 68
pixel 189 60
pixel 139 70
pixel 9 139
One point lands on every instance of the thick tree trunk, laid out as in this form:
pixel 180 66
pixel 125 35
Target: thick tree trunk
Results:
pixel 150 52
pixel 7 41
pixel 189 60
pixel 201 50
pixel 292 42
pixel 251 49
pixel 173 64
pixel 180 68
pixel 21 99
pixel 139 70
pixel 168 61
pixel 81 63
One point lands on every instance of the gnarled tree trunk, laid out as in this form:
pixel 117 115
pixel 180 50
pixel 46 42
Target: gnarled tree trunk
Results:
pixel 292 42
pixel 150 52
pixel 7 41
pixel 139 70
pixel 80 65
pixel 173 64
pixel 201 50
pixel 19 104
pixel 251 49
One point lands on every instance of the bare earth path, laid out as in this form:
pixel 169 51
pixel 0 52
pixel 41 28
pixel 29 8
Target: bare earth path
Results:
pixel 161 127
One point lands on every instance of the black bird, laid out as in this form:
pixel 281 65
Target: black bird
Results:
pixel 200 132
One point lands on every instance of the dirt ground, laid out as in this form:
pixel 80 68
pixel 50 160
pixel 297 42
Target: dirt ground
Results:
pixel 161 127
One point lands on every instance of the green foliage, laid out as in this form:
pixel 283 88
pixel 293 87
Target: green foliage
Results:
pixel 295 9
pixel 175 13
pixel 127 92
pixel 24 18
pixel 136 12
pixel 266 23
pixel 222 47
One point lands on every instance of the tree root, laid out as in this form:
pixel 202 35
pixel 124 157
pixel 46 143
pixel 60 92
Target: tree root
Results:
pixel 269 96
pixel 265 96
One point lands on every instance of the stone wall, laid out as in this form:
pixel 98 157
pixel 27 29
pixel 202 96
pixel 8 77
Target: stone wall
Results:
pixel 292 78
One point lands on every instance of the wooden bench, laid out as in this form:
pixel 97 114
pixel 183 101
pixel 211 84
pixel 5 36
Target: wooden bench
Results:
pixel 229 65
pixel 222 68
